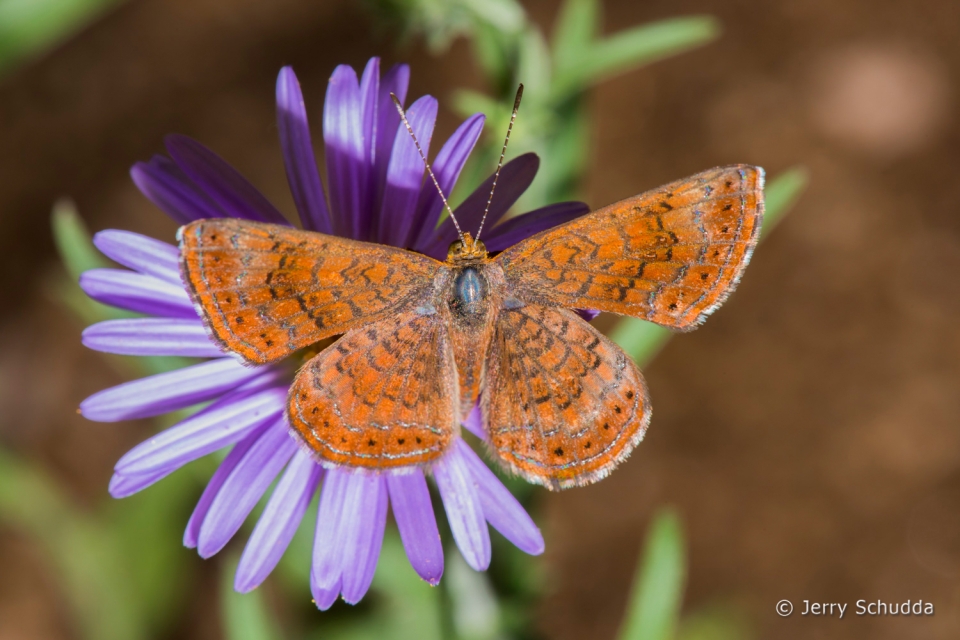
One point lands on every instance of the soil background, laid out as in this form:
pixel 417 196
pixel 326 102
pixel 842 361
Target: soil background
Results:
pixel 808 434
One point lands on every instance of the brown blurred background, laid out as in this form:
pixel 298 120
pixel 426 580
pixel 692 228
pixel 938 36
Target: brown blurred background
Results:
pixel 809 434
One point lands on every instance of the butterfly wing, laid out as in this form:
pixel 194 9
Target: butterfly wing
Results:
pixel 671 255
pixel 266 290
pixel 562 404
pixel 382 396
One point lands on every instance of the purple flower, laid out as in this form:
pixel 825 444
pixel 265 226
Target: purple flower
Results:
pixel 375 191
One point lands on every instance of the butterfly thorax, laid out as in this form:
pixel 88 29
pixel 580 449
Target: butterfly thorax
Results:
pixel 471 292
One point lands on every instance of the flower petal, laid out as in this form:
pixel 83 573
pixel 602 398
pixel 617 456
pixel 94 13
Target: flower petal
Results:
pixel 362 526
pixel 279 521
pixel 461 500
pixel 446 166
pixel 413 511
pixel 122 486
pixel 328 546
pixel 244 487
pixel 166 186
pixel 515 177
pixel 405 173
pixel 587 314
pixel 221 182
pixel 221 424
pixel 192 532
pixel 137 292
pixel 512 231
pixel 500 508
pixel 369 90
pixel 141 253
pixel 474 422
pixel 298 157
pixel 169 391
pixel 388 120
pixel 343 139
pixel 152 337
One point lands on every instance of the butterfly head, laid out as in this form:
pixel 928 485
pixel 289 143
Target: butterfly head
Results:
pixel 466 250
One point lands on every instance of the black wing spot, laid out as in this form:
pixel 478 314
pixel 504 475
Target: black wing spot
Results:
pixel 238 320
pixel 727 207
pixel 371 442
pixel 401 440
pixel 606 425
pixel 587 445
pixel 673 306
pixel 704 276
pixel 617 408
pixel 629 395
pixel 558 451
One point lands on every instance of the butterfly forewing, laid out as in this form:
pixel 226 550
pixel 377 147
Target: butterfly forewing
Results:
pixel 562 403
pixel 266 290
pixel 382 396
pixel 670 255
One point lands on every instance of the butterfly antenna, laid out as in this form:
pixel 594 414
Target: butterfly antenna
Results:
pixel 503 151
pixel 406 123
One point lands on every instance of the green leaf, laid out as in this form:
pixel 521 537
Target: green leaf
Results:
pixel 245 615
pixel 148 528
pixel 30 26
pixel 634 47
pixel 494 51
pixel 410 606
pixel 73 241
pixel 716 622
pixel 91 571
pixel 654 604
pixel 467 102
pixel 533 69
pixel 476 612
pixel 641 340
pixel 505 15
pixel 781 194
pixel 78 254
pixel 574 32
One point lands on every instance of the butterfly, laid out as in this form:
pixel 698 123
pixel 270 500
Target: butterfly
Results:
pixel 422 340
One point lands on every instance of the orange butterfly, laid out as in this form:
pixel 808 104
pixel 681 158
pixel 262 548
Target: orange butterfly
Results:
pixel 423 339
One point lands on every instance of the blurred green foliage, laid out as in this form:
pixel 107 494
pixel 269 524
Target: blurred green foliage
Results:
pixel 121 565
pixel 654 604
pixel 556 77
pixel 29 27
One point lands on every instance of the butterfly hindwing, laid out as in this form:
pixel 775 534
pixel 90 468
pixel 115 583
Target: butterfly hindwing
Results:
pixel 383 396
pixel 266 290
pixel 670 255
pixel 562 404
